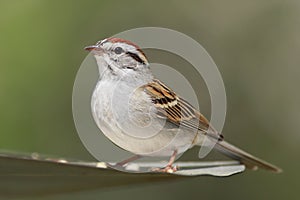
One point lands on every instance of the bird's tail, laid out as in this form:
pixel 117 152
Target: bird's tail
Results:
pixel 247 159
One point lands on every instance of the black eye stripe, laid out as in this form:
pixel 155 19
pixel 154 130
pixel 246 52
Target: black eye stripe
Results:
pixel 135 57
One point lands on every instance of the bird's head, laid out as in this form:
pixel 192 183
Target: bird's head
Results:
pixel 118 57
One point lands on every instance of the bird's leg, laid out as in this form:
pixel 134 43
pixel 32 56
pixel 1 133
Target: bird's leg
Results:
pixel 172 159
pixel 169 167
pixel 133 158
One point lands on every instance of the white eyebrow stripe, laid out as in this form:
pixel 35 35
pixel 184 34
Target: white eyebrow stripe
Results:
pixel 103 41
pixel 128 48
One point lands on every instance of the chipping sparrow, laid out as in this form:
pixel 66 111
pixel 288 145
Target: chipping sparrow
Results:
pixel 142 115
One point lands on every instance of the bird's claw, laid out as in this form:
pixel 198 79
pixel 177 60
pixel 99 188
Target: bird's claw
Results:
pixel 167 169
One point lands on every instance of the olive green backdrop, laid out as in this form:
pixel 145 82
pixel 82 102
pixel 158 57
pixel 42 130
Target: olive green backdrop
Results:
pixel 255 44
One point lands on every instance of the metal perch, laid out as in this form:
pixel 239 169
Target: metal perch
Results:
pixel 39 175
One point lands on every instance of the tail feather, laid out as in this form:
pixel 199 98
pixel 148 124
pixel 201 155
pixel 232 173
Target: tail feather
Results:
pixel 244 157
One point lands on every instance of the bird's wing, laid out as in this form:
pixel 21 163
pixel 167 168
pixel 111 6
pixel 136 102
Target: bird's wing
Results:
pixel 177 110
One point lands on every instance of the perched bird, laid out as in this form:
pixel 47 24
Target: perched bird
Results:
pixel 142 115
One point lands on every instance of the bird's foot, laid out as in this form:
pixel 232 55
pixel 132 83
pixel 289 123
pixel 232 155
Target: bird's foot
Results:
pixel 167 169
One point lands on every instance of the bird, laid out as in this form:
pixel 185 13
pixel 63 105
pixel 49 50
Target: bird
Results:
pixel 142 115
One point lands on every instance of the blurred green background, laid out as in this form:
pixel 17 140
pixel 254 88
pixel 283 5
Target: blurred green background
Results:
pixel 255 44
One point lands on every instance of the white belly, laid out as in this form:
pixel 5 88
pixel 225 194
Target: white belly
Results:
pixel 133 126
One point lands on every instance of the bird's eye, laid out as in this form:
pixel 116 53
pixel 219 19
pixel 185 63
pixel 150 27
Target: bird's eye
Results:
pixel 118 50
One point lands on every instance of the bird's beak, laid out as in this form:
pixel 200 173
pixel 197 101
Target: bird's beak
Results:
pixel 91 48
pixel 95 49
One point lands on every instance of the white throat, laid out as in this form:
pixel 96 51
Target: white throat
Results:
pixel 111 73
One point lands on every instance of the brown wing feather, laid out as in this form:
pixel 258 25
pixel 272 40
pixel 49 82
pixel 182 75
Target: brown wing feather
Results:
pixel 177 110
